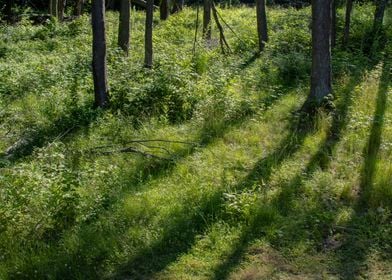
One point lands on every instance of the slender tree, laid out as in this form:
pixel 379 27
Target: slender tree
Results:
pixel 61 7
pixel 207 19
pixel 123 28
pixel 78 8
pixel 321 54
pixel 379 14
pixel 99 54
pixel 261 24
pixel 53 8
pixel 148 50
pixel 164 9
pixel 8 11
pixel 178 5
pixel 347 24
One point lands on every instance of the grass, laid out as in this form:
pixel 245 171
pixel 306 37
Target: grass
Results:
pixel 256 195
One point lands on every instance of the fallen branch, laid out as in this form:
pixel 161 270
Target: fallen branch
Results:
pixel 132 150
pixel 148 141
pixel 142 142
pixel 222 38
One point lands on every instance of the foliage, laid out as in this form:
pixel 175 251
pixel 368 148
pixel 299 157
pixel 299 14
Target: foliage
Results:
pixel 250 192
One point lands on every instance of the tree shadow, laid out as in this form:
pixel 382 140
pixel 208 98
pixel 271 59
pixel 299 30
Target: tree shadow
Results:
pixel 283 202
pixel 68 123
pixel 178 236
pixel 364 225
pixel 76 117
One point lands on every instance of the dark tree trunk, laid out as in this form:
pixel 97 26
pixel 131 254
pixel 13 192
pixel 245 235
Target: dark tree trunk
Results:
pixel 207 19
pixel 99 54
pixel 333 23
pixel 379 14
pixel 9 15
pixel 53 8
pixel 261 24
pixel 164 9
pixel 347 24
pixel 148 34
pixel 79 8
pixel 61 4
pixel 321 54
pixel 178 5
pixel 123 27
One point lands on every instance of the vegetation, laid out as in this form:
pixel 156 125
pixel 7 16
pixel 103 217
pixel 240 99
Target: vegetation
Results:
pixel 202 167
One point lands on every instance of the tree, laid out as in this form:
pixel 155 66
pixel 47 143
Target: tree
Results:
pixel 8 11
pixel 320 86
pixel 164 9
pixel 346 35
pixel 53 8
pixel 379 14
pixel 178 5
pixel 61 7
pixel 99 54
pixel 123 28
pixel 207 19
pixel 261 24
pixel 79 8
pixel 334 22
pixel 148 56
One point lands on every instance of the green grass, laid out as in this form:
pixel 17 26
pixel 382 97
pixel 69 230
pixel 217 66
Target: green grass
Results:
pixel 259 192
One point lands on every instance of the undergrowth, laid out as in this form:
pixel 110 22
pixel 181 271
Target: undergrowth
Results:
pixel 241 189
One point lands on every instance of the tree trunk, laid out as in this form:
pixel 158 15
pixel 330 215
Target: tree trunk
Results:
pixel 99 54
pixel 178 5
pixel 333 23
pixel 207 19
pixel 148 34
pixel 261 24
pixel 61 5
pixel 164 9
pixel 9 15
pixel 123 27
pixel 53 8
pixel 346 35
pixel 79 8
pixel 379 14
pixel 321 54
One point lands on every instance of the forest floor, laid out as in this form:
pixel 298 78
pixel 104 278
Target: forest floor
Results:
pixel 238 185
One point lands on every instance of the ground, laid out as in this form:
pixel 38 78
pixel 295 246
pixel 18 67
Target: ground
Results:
pixel 242 186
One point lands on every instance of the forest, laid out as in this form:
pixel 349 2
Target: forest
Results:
pixel 172 139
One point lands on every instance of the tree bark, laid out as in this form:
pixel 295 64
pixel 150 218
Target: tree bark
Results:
pixel 79 8
pixel 379 14
pixel 61 7
pixel 123 28
pixel 321 54
pixel 262 30
pixel 207 19
pixel 99 54
pixel 164 9
pixel 53 8
pixel 347 24
pixel 9 15
pixel 333 23
pixel 148 48
pixel 178 5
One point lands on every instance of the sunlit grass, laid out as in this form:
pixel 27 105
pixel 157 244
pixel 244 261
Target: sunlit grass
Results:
pixel 256 192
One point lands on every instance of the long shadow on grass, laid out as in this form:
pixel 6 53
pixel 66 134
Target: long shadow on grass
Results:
pixel 362 231
pixel 261 173
pixel 67 124
pixel 178 236
pixel 75 118
pixel 283 204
